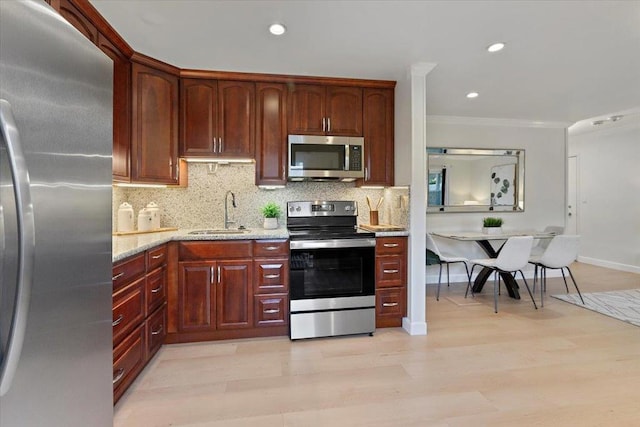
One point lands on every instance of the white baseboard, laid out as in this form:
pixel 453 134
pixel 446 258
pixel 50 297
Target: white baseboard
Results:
pixel 414 328
pixel 462 277
pixel 607 264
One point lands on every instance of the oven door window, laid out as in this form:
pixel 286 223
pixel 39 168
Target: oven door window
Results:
pixel 330 273
pixel 318 157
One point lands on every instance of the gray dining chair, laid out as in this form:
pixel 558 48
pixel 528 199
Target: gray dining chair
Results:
pixel 445 258
pixel 512 258
pixel 561 252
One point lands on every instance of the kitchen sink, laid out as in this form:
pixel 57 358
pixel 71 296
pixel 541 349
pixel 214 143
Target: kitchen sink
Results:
pixel 218 231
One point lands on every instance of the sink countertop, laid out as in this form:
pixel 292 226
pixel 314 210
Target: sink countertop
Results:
pixel 126 246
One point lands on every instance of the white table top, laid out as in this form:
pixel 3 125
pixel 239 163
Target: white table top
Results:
pixel 504 235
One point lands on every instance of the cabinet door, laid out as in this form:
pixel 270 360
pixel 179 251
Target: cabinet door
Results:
pixel 391 270
pixel 73 15
pixel 344 111
pixel 271 134
pixel 234 296
pixel 378 135
pixel 155 126
pixel 198 118
pixel 121 110
pixel 306 109
pixel 196 296
pixel 236 115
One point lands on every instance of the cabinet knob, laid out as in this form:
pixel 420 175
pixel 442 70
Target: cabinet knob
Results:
pixel 157 332
pixel 271 311
pixel 390 271
pixel 390 245
pixel 156 290
pixel 117 276
pixel 271 276
pixel 118 376
pixel 118 320
pixel 389 304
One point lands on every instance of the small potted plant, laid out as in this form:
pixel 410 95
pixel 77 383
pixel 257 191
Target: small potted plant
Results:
pixel 491 225
pixel 271 212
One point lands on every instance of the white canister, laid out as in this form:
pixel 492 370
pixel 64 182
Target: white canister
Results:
pixel 125 217
pixel 155 215
pixel 144 220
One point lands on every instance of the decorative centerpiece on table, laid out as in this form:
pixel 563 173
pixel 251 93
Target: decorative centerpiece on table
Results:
pixel 271 212
pixel 491 225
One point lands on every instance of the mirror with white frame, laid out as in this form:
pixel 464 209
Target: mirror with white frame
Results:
pixel 475 180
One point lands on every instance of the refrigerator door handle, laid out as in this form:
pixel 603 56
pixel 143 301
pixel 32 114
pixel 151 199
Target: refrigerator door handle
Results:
pixel 26 245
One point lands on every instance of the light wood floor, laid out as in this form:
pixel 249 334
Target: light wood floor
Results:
pixel 558 366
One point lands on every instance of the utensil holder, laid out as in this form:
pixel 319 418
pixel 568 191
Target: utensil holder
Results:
pixel 373 217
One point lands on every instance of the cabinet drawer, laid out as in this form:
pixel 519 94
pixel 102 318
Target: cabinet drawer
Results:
pixel 391 245
pixel 391 271
pixel 215 250
pixel 156 331
pixel 390 306
pixel 156 257
pixel 128 360
pixel 271 276
pixel 128 309
pixel 270 248
pixel 125 272
pixel 156 289
pixel 271 310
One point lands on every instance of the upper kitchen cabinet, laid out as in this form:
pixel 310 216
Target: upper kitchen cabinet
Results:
pixel 378 136
pixel 271 134
pixel 325 110
pixel 121 109
pixel 217 118
pixel 154 137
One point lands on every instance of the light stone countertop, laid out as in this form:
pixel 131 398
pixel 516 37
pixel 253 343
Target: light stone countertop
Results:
pixel 126 246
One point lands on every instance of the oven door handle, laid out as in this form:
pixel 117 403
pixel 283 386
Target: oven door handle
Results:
pixel 332 243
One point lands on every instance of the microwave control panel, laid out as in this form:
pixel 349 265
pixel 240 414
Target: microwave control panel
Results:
pixel 355 157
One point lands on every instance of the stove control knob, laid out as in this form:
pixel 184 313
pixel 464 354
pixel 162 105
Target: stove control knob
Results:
pixel 298 209
pixel 348 208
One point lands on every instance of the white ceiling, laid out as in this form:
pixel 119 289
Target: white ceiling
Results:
pixel 565 60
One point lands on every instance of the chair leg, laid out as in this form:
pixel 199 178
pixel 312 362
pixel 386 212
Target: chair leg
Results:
pixel 468 280
pixel 535 277
pixel 448 284
pixel 469 286
pixel 575 284
pixel 565 280
pixel 528 290
pixel 439 278
pixel 496 284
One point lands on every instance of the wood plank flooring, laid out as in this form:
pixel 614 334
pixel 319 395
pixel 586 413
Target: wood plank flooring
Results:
pixel 557 366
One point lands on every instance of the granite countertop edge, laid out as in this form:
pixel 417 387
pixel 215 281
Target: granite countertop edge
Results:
pixel 126 246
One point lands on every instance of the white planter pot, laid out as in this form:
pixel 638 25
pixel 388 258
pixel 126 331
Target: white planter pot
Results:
pixel 270 223
pixel 492 230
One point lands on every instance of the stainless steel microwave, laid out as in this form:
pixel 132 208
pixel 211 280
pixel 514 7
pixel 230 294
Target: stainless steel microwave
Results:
pixel 325 158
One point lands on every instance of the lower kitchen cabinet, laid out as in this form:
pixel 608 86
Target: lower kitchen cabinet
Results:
pixel 391 281
pixel 271 283
pixel 139 314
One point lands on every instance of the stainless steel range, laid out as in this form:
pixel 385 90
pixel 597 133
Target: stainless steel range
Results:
pixel 332 269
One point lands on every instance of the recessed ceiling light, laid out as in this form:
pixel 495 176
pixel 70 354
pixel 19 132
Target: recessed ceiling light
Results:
pixel 496 47
pixel 472 95
pixel 277 29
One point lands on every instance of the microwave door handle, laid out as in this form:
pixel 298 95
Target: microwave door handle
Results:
pixel 347 150
pixel 26 245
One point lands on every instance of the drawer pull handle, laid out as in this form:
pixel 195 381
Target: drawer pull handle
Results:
pixel 117 276
pixel 390 245
pixel 157 256
pixel 117 377
pixel 270 248
pixel 157 332
pixel 390 271
pixel 271 276
pixel 271 311
pixel 389 304
pixel 118 320
pixel 156 290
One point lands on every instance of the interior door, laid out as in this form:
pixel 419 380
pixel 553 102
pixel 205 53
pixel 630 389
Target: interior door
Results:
pixel 572 196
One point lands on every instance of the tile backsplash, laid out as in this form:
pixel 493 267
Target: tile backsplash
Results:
pixel 201 204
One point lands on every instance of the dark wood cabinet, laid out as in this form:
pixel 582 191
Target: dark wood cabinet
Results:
pixel 196 296
pixel 121 109
pixel 325 110
pixel 234 296
pixel 154 141
pixel 217 118
pixel 378 111
pixel 139 314
pixel 271 134
pixel 75 17
pixel 391 281
pixel 271 283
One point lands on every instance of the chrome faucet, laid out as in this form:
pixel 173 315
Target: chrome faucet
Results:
pixel 226 209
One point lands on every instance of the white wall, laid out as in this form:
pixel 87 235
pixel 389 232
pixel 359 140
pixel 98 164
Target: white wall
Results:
pixel 545 177
pixel 608 216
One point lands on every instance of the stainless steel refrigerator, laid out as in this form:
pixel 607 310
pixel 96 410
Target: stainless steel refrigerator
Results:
pixel 55 222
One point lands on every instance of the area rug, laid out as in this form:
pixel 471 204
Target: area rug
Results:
pixel 621 305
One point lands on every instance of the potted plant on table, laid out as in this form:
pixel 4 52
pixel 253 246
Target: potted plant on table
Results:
pixel 491 225
pixel 271 212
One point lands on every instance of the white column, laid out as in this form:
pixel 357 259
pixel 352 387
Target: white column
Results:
pixel 416 323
